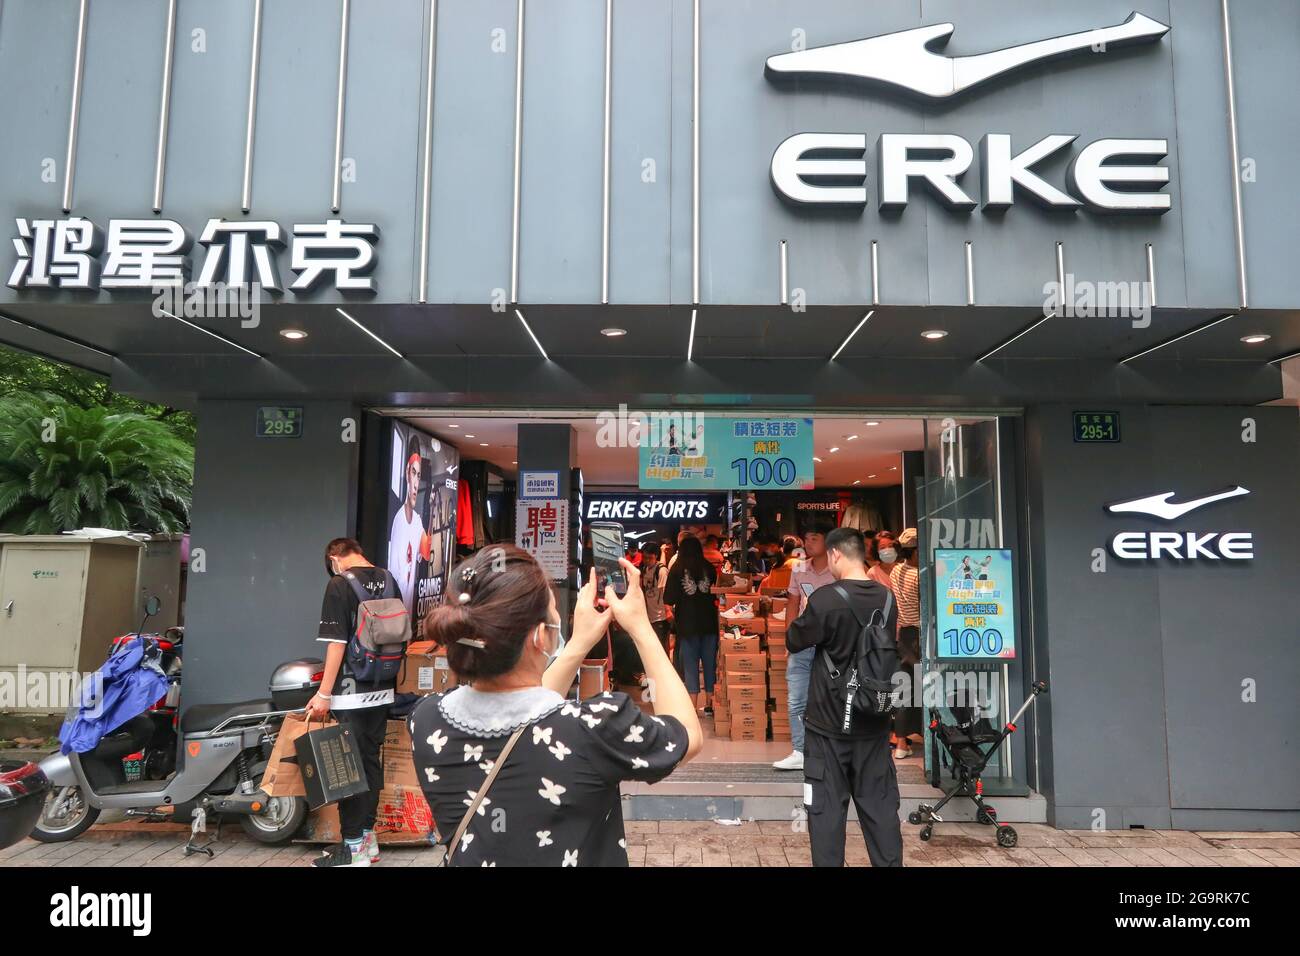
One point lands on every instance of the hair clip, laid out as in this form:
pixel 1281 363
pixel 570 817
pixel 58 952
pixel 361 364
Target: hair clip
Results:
pixel 472 642
pixel 463 597
pixel 468 574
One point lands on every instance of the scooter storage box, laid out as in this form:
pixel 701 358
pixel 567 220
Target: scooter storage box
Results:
pixel 23 787
pixel 294 683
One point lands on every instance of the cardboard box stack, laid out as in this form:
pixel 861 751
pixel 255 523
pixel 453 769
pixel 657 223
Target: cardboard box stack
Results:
pixel 750 702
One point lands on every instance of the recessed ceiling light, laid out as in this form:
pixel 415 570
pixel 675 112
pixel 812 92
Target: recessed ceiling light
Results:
pixel 857 481
pixel 613 333
pixel 873 424
pixel 871 476
pixel 934 334
pixel 293 335
pixel 835 449
pixel 469 436
pixel 816 459
pixel 453 426
pixel 850 437
pixel 1256 338
pixel 483 444
pixel 893 468
pixel 514 463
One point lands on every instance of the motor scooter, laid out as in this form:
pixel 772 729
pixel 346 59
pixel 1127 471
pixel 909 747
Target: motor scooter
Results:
pixel 213 767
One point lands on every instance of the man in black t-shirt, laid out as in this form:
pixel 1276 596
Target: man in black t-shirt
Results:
pixel 857 762
pixel 363 708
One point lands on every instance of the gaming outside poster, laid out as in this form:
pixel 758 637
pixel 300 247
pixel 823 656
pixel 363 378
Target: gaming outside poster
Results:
pixel 421 517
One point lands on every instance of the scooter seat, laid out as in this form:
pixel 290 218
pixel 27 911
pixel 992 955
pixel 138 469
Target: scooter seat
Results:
pixel 207 716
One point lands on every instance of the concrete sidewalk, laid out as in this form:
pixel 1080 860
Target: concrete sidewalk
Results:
pixel 692 843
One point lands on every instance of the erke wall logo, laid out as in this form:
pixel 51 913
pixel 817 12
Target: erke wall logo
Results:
pixel 1180 545
pixel 830 169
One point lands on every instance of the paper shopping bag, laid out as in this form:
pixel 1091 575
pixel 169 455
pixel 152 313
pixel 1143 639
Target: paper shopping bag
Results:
pixel 330 764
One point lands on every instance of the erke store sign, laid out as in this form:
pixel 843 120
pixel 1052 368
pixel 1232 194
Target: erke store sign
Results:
pixel 829 169
pixel 1179 545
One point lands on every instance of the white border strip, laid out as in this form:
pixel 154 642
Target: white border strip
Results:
pixel 845 343
pixel 426 192
pixel 369 333
pixel 1179 338
pixel 250 123
pixel 336 199
pixel 74 110
pixel 1239 222
pixel 219 338
pixel 519 144
pixel 529 329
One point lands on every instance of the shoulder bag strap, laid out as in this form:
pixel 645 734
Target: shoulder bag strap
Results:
pixel 482 793
pixel 358 588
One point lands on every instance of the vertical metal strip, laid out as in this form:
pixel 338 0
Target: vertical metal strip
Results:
pixel 1151 275
pixel 337 199
pixel 426 190
pixel 785 274
pixel 695 157
pixel 164 108
pixel 875 274
pixel 604 226
pixel 1238 217
pixel 519 138
pixel 1060 278
pixel 246 198
pixel 970 273
pixel 74 113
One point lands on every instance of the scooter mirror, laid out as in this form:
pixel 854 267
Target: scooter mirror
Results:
pixel 152 606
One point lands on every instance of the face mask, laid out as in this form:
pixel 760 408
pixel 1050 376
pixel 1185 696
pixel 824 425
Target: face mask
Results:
pixel 559 644
pixel 888 555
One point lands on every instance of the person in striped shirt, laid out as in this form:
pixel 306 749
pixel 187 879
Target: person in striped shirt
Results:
pixel 904 581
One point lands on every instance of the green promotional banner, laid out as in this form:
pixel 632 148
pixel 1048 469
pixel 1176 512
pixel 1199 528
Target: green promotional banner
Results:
pixel 729 453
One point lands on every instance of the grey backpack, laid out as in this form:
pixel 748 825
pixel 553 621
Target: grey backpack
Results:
pixel 377 647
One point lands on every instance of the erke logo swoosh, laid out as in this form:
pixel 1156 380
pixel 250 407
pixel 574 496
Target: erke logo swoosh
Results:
pixel 904 59
pixel 1160 506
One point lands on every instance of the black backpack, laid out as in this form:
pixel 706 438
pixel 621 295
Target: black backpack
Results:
pixel 865 684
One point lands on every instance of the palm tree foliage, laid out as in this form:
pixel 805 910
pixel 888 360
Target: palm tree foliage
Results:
pixel 64 467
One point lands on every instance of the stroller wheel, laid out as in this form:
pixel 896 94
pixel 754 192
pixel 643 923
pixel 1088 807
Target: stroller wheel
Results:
pixel 986 817
pixel 926 832
pixel 1006 836
pixel 914 818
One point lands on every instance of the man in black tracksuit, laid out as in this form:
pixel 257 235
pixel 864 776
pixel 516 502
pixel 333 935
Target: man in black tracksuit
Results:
pixel 840 764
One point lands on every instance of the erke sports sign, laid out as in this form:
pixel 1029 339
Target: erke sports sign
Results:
pixel 830 169
pixel 1179 545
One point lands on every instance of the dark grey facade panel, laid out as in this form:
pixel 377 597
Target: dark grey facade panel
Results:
pixel 1185 667
pixel 257 601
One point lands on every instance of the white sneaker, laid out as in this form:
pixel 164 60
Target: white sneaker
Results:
pixel 792 762
pixel 778 615
pixel 741 612
pixel 371 846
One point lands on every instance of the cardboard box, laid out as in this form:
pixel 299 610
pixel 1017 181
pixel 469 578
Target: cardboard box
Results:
pixel 722 727
pixel 397 757
pixel 746 644
pixel 748 724
pixel 403 818
pixel 751 678
pixel 737 663
pixel 749 708
pixel 425 670
pixel 742 692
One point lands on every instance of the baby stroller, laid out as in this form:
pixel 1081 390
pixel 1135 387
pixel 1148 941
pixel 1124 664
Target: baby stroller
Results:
pixel 970 743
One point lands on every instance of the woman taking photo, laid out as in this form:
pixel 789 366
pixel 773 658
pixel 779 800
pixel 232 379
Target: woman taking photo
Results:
pixel 558 782
pixel 695 617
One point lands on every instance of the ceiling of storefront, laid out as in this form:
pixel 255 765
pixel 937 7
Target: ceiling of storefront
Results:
pixel 869 459
pixel 722 332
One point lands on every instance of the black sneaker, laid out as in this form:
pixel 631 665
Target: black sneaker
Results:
pixel 341 855
pixel 708 711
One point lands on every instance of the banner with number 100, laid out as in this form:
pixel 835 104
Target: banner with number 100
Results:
pixel 974 603
pixel 753 454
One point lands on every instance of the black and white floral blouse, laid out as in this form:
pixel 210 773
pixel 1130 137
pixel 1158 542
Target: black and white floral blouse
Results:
pixel 556 800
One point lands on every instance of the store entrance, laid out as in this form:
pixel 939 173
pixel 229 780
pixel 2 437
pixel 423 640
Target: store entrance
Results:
pixel 909 483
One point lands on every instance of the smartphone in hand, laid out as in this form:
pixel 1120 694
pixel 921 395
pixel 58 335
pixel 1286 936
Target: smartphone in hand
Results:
pixel 606 549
